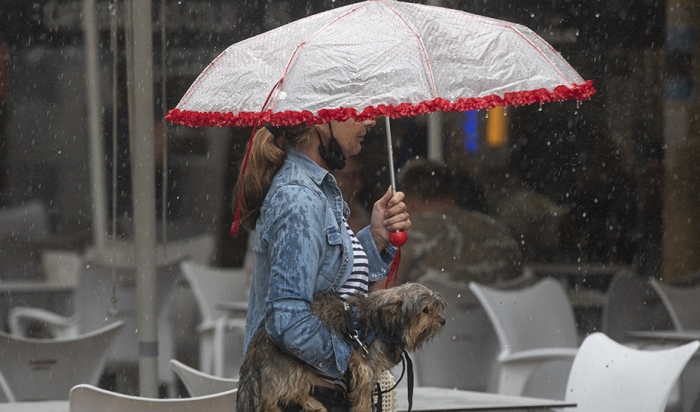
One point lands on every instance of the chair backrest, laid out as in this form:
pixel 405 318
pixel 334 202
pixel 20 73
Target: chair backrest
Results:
pixel 199 383
pixel 87 398
pixel 632 305
pixel 533 317
pixel 61 267
pixel 212 285
pixel 21 319
pixel 30 220
pixel 463 355
pixel 93 295
pixel 46 369
pixel 607 376
pixel 681 302
pixel 198 248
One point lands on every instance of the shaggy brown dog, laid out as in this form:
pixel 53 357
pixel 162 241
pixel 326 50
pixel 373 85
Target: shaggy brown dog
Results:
pixel 403 318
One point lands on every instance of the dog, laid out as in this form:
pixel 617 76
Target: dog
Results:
pixel 402 319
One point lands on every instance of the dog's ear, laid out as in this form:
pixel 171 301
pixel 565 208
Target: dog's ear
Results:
pixel 390 310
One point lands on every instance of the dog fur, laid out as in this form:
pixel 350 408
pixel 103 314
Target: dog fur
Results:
pixel 411 314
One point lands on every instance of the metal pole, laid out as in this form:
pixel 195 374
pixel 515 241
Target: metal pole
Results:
pixel 390 150
pixel 435 141
pixel 140 83
pixel 92 85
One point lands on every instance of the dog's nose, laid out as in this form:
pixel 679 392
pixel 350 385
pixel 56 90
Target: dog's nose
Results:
pixel 442 321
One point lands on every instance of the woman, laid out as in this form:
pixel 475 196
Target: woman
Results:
pixel 303 245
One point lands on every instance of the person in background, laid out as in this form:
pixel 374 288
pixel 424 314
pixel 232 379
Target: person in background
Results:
pixel 351 183
pixel 464 245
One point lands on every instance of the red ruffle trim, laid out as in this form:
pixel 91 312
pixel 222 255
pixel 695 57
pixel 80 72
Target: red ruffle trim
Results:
pixel 290 118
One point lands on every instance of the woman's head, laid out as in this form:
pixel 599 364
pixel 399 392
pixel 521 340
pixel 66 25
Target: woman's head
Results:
pixel 349 134
pixel 267 156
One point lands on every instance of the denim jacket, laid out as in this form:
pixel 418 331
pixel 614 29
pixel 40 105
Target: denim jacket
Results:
pixel 301 248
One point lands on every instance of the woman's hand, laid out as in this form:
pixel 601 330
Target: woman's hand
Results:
pixel 389 214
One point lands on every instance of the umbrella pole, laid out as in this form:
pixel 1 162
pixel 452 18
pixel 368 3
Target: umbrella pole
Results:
pixel 397 238
pixel 390 151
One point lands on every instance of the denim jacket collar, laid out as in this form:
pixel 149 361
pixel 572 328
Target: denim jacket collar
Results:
pixel 315 172
pixel 318 175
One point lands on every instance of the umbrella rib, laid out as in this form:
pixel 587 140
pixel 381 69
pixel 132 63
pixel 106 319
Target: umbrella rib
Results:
pixel 303 42
pixel 540 52
pixel 422 46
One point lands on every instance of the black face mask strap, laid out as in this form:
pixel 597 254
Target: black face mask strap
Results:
pixel 333 155
pixel 276 131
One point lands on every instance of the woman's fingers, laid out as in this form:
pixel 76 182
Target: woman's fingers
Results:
pixel 400 221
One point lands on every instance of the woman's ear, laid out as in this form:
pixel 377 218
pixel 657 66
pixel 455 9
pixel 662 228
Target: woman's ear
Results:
pixel 324 132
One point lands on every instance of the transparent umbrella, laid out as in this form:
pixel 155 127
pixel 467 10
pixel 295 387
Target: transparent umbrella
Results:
pixel 378 57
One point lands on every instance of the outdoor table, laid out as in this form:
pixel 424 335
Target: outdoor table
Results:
pixel 46 406
pixel 233 307
pixel 427 399
pixel 666 335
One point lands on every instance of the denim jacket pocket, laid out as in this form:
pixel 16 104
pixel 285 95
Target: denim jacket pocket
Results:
pixel 333 236
pixel 332 262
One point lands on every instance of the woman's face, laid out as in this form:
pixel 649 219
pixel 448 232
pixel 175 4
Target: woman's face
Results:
pixel 350 134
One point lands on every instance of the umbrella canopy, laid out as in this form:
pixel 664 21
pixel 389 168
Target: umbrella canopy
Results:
pixel 378 57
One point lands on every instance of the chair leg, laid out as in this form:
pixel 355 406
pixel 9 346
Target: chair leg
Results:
pixel 218 346
pixel 206 344
pixel 512 379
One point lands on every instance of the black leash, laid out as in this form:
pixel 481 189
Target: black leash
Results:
pixel 406 364
pixel 364 342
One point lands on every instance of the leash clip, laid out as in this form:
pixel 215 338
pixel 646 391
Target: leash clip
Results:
pixel 353 332
pixel 365 351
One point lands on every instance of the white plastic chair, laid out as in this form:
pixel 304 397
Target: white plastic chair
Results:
pixel 46 369
pixel 537 333
pixel 683 306
pixel 20 318
pixel 91 311
pixel 199 383
pixel 632 305
pixel 607 376
pixel 210 287
pixel 681 302
pixel 87 398
pixel 463 355
pixel 61 267
pixel 28 220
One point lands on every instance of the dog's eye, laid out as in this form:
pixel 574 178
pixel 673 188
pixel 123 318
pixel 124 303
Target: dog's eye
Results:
pixel 426 310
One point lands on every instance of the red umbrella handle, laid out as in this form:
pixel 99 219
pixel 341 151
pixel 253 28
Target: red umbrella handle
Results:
pixel 398 238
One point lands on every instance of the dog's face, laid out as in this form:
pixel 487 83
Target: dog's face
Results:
pixel 413 312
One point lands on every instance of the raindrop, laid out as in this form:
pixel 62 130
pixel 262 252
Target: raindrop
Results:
pixel 540 109
pixel 597 14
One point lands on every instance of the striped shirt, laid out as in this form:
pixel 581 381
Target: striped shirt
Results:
pixel 358 282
